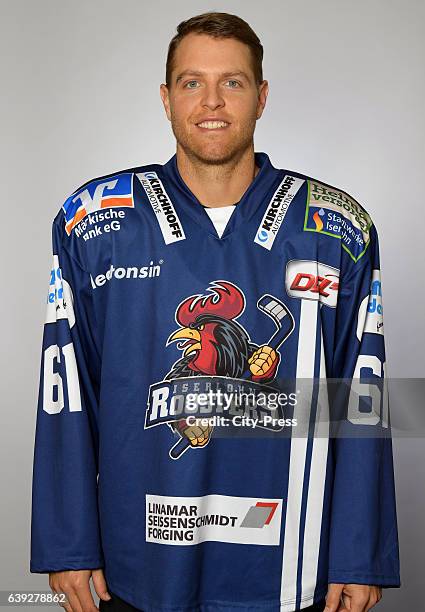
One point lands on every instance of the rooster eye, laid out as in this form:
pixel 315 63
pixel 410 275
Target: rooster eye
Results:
pixel 201 327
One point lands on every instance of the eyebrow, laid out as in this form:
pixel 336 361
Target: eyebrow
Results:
pixel 224 74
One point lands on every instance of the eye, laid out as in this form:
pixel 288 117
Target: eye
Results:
pixel 189 83
pixel 201 327
pixel 234 83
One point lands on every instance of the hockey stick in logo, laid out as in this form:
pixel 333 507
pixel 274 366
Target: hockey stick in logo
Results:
pixel 285 325
pixel 283 319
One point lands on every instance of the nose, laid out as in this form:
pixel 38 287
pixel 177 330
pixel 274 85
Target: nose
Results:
pixel 212 97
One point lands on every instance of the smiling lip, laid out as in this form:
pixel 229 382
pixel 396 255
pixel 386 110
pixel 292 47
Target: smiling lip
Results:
pixel 212 124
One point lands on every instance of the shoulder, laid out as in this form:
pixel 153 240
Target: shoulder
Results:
pixel 96 209
pixel 113 190
pixel 334 213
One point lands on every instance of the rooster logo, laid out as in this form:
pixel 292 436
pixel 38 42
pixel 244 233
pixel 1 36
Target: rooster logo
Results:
pixel 214 343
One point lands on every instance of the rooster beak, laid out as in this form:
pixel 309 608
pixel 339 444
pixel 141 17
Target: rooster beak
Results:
pixel 185 333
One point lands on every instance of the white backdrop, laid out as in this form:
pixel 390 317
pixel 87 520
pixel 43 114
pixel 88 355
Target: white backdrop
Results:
pixel 80 98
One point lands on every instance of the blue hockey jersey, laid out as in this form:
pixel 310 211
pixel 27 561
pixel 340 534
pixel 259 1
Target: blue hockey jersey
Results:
pixel 151 319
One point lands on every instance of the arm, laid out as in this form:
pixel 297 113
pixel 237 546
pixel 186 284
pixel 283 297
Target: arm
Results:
pixel 65 526
pixel 363 537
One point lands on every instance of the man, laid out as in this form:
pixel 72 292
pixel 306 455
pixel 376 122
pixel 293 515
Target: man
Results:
pixel 172 285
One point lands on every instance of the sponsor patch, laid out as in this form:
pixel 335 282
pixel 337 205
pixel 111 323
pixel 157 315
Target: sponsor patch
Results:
pixel 370 318
pixel 312 280
pixel 59 296
pixel 169 222
pixel 337 214
pixel 114 192
pixel 276 211
pixel 132 272
pixel 99 223
pixel 213 518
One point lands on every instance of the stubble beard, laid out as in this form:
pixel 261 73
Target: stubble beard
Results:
pixel 214 154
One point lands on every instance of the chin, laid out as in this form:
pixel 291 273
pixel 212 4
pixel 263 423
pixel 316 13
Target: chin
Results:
pixel 215 159
pixel 214 155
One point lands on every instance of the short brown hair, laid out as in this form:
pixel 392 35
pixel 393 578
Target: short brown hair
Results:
pixel 218 25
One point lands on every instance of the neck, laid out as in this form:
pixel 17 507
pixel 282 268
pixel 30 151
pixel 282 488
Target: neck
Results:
pixel 217 185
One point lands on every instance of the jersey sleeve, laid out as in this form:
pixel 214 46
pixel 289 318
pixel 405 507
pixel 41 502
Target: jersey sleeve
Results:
pixel 64 520
pixel 363 531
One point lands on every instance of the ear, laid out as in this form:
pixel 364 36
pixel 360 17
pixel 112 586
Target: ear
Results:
pixel 164 93
pixel 263 91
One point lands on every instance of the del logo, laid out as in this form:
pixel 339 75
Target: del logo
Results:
pixel 370 317
pixel 114 192
pixel 312 280
pixel 212 518
pixel 216 352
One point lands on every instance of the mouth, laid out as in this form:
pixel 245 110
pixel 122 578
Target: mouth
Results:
pixel 190 346
pixel 189 340
pixel 208 126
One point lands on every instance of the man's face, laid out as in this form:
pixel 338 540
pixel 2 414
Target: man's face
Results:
pixel 213 81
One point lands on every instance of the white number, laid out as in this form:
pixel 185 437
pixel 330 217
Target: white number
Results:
pixel 369 390
pixel 73 383
pixel 52 380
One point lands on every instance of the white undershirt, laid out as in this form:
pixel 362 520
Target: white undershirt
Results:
pixel 220 216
